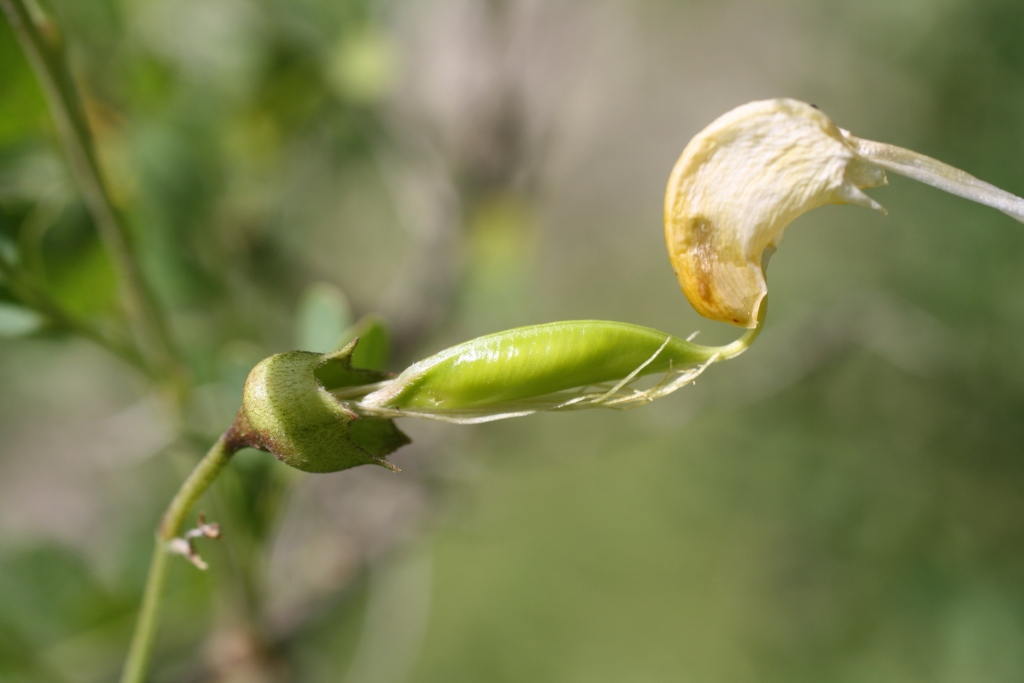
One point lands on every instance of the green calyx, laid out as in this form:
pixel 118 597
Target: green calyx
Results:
pixel 288 404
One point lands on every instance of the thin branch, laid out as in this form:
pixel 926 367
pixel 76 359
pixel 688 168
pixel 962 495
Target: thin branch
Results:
pixel 204 474
pixel 43 48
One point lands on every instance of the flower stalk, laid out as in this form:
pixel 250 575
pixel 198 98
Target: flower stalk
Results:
pixel 168 543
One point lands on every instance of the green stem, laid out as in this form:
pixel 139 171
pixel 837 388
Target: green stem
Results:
pixel 743 343
pixel 137 662
pixel 42 46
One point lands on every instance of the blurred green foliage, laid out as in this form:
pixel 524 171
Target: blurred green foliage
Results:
pixel 842 503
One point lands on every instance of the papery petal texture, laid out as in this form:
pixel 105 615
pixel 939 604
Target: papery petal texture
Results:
pixel 736 187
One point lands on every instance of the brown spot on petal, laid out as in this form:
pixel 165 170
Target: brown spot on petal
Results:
pixel 702 257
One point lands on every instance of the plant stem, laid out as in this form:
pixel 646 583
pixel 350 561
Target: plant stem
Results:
pixel 137 662
pixel 43 48
pixel 743 343
pixel 940 175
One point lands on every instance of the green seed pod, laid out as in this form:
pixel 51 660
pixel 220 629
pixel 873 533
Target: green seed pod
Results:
pixel 531 368
pixel 288 404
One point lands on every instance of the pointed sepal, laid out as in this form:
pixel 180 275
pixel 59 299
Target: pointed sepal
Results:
pixel 288 404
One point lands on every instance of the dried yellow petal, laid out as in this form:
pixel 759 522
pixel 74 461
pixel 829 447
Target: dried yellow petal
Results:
pixel 737 186
pixel 749 174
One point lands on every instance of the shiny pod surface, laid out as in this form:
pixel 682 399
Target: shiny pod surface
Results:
pixel 535 361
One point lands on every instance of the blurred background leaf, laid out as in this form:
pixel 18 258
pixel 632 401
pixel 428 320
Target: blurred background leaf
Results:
pixel 323 316
pixel 373 351
pixel 16 321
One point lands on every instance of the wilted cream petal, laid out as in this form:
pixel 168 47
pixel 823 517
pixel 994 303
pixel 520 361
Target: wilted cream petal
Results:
pixel 749 174
pixel 737 186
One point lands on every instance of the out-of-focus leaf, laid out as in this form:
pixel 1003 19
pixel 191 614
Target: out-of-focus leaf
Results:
pixel 374 348
pixel 51 597
pixel 17 321
pixel 85 281
pixel 322 318
pixel 20 98
pixel 363 68
pixel 8 253
pixel 177 173
pixel 34 176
